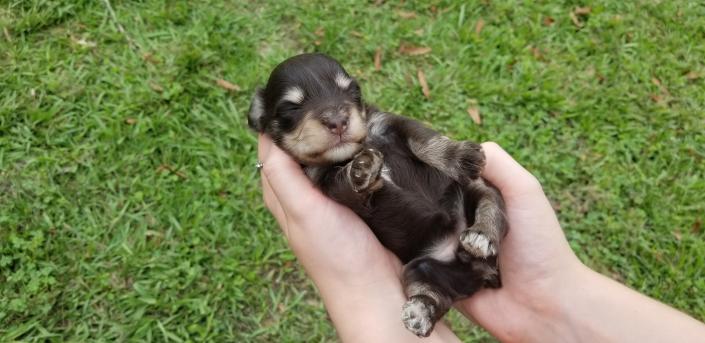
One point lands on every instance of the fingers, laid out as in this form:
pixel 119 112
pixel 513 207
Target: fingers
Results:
pixel 271 201
pixel 507 174
pixel 284 179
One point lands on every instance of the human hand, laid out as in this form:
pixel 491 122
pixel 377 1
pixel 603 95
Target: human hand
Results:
pixel 329 239
pixel 547 294
pixel 536 262
pixel 359 280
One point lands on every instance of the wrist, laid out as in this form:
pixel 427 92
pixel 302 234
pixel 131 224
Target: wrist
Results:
pixel 563 314
pixel 553 314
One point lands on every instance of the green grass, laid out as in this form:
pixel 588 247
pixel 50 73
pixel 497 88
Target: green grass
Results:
pixel 130 210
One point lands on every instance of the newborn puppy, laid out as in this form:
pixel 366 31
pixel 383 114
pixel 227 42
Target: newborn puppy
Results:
pixel 420 192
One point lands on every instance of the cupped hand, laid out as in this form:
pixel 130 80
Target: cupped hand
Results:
pixel 359 279
pixel 330 240
pixel 343 257
pixel 536 262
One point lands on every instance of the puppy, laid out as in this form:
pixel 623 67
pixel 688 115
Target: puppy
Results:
pixel 420 192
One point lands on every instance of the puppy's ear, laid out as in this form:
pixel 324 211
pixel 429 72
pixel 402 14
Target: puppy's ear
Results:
pixel 254 116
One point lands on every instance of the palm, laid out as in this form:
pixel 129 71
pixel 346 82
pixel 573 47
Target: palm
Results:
pixel 331 241
pixel 530 269
pixel 344 242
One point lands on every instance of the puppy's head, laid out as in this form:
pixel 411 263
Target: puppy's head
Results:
pixel 312 109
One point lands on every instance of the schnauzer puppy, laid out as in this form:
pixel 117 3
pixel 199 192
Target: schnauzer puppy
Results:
pixel 420 192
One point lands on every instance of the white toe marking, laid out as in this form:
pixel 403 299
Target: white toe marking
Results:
pixel 294 94
pixel 478 244
pixel 416 317
pixel 342 81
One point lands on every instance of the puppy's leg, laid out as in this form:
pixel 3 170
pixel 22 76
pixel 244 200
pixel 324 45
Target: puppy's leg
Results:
pixel 482 238
pixel 461 160
pixel 432 286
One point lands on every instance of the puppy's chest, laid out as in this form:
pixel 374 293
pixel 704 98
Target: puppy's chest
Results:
pixel 400 168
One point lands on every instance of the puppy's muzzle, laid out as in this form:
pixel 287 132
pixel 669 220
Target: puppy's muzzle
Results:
pixel 336 120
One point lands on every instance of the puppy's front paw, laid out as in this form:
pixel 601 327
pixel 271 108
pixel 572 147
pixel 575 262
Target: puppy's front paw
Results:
pixel 365 170
pixel 477 243
pixel 417 316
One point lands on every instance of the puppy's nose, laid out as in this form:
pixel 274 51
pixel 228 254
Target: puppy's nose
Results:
pixel 336 124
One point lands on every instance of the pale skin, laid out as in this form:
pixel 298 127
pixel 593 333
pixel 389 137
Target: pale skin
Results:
pixel 547 294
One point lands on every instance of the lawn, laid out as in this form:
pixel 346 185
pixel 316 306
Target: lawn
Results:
pixel 130 209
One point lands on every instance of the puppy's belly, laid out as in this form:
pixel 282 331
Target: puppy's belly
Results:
pixel 421 215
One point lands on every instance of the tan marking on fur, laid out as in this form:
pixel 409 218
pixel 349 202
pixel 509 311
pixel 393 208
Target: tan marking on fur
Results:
pixel 489 213
pixel 418 288
pixel 294 94
pixel 308 138
pixel 433 151
pixel 444 249
pixel 341 152
pixel 312 143
pixel 377 124
pixel 256 109
pixel 342 81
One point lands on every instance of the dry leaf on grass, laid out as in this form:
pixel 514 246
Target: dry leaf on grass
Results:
pixel 406 15
pixel 548 21
pixel 156 87
pixel 582 10
pixel 7 34
pixel 659 84
pixel 479 26
pixel 696 226
pixel 378 59
pixel 424 85
pixel 693 75
pixel 474 113
pixel 167 168
pixel 579 11
pixel 149 57
pixel 575 20
pixel 317 42
pixel 320 31
pixel 84 43
pixel 130 121
pixel 412 50
pixel 356 34
pixel 227 85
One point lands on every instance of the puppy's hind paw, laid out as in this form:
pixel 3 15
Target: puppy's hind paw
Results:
pixel 417 316
pixel 477 244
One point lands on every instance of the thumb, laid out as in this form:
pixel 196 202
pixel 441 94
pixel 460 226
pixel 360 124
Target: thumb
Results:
pixel 292 188
pixel 513 181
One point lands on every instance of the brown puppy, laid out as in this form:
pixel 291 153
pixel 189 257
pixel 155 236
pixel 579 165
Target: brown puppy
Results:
pixel 419 192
